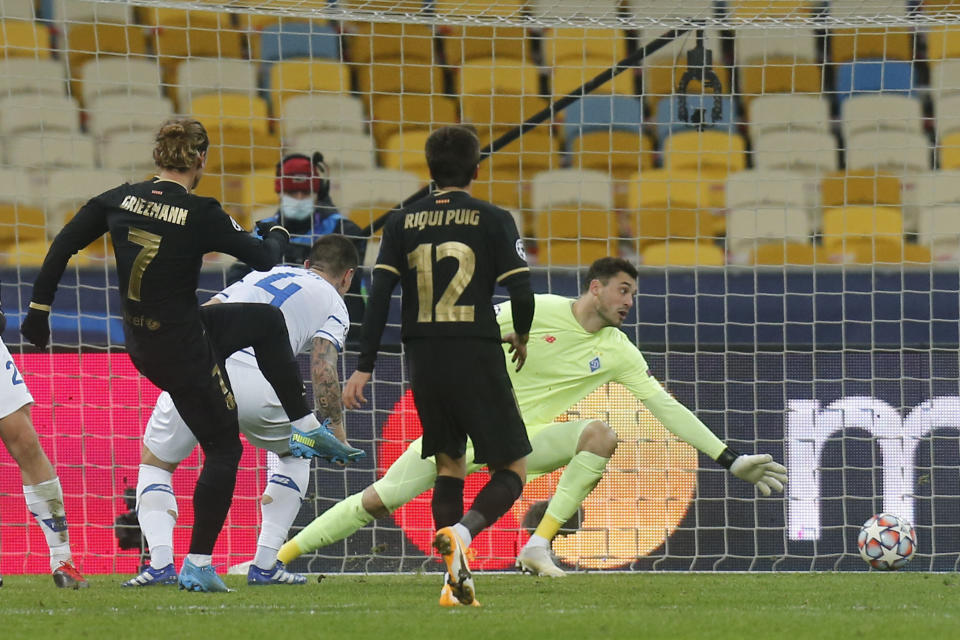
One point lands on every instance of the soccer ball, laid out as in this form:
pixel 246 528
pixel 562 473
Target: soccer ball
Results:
pixel 887 542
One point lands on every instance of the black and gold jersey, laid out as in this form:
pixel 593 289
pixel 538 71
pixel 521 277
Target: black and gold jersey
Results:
pixel 450 250
pixel 160 233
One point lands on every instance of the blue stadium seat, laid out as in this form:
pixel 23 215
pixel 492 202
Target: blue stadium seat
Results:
pixel 668 114
pixel 602 113
pixel 287 40
pixel 873 76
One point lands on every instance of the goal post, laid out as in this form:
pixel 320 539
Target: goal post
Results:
pixel 784 173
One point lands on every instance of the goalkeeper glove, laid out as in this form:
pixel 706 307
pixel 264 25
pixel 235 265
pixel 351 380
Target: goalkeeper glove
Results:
pixel 36 325
pixel 759 469
pixel 264 228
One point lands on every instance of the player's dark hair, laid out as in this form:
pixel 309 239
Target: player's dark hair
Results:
pixel 179 143
pixel 605 268
pixel 334 254
pixel 453 154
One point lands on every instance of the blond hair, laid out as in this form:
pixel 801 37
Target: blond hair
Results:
pixel 179 143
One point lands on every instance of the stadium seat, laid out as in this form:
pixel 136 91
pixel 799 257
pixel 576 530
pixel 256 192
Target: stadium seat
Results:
pixel 490 76
pixel 73 11
pixel 68 189
pixel 949 150
pixel 767 187
pixel 258 199
pixel 119 76
pixel 884 43
pixel 404 152
pixel 367 194
pixel 21 186
pixel 341 151
pixel 573 9
pixel 934 189
pixel 21 223
pixel 568 78
pixel 804 151
pixel 895 151
pixel 322 112
pixel 31 75
pixel 98 40
pixel 18 10
pixel 384 41
pixel 198 77
pixel 776 61
pixel 570 252
pixel 396 77
pixel 873 76
pixel 129 152
pixel 709 151
pixel 699 110
pixel 682 253
pixel 663 70
pixel 943 42
pixel 180 34
pixel 50 149
pixel 783 113
pixel 502 187
pixel 768 9
pixel 666 204
pixel 501 8
pixel 298 78
pixel 238 151
pixel 296 39
pixel 873 113
pixel 573 46
pixel 493 115
pixel 462 44
pixel 842 188
pixel 575 223
pixel 617 153
pixel 26 112
pixel 109 114
pixel 390 113
pixel 856 222
pixel 24 39
pixel 602 113
pixel 230 111
pixel 534 151
pixel 939 229
pixel 565 187
pixel 786 228
pixel 944 79
pixel 947 118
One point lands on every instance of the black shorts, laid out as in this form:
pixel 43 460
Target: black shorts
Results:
pixel 461 388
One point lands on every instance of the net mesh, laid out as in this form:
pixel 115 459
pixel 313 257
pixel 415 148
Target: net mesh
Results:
pixel 792 198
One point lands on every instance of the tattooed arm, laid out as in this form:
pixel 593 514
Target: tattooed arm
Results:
pixel 326 385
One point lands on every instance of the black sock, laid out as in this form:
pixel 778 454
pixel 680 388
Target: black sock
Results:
pixel 447 503
pixel 493 501
pixel 213 495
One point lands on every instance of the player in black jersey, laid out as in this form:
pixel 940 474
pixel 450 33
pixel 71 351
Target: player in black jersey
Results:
pixel 160 232
pixel 449 250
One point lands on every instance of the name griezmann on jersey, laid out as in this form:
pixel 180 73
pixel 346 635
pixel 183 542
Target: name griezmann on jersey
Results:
pixel 151 209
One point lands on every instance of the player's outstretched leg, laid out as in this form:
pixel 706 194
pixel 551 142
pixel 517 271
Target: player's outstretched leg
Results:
pixel 205 578
pixel 321 443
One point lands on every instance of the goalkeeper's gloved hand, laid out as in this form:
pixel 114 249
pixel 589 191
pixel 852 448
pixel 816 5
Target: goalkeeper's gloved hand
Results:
pixel 758 469
pixel 264 228
pixel 36 325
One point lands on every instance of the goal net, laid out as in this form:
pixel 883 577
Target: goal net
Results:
pixel 786 174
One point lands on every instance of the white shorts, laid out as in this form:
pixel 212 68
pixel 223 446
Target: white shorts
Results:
pixel 262 419
pixel 13 390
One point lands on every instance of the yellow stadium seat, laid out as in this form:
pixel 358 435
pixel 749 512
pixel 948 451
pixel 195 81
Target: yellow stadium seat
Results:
pixel 751 9
pixel 713 151
pixel 568 77
pixel 534 151
pixel 409 111
pixel 620 153
pixel 485 8
pixel 85 41
pixel 576 223
pixel 180 34
pixel 296 77
pixel 575 46
pixel 777 254
pixel 396 77
pixel 886 43
pixel 665 205
pixel 493 115
pixel 779 75
pixel 240 151
pixel 943 41
pixel 231 111
pixel 382 41
pixel 258 189
pixel 404 151
pixel 842 226
pixel 842 188
pixel 569 252
pixel 682 253
pixel 950 151
pixel 19 38
pixel 30 253
pixel 489 76
pixel 21 223
pixel 462 44
pixel 504 188
pixel 661 75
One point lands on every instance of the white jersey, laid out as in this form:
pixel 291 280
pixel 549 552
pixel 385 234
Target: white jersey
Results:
pixel 311 306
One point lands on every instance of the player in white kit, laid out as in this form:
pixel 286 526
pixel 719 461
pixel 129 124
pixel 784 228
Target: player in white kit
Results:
pixel 41 486
pixel 311 299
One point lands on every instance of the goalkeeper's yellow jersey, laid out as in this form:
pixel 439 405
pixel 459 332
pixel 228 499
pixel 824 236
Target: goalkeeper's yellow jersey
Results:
pixel 565 363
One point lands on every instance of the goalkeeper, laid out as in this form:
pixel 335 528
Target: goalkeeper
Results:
pixel 575 347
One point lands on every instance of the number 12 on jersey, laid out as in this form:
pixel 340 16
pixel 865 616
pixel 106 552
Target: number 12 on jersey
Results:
pixel 446 309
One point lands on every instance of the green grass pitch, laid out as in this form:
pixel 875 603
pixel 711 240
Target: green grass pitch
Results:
pixel 580 607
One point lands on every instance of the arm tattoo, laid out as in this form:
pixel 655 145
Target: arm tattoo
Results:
pixel 326 383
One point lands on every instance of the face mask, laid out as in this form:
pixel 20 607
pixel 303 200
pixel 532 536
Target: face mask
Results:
pixel 294 209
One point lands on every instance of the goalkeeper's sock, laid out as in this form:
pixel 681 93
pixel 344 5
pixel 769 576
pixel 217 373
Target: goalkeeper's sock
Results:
pixel 582 474
pixel 156 512
pixel 336 523
pixel 45 502
pixel 496 497
pixel 279 505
